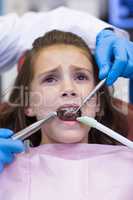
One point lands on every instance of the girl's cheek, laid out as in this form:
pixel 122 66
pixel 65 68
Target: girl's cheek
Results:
pixel 43 101
pixel 91 107
pixel 86 89
pixel 43 95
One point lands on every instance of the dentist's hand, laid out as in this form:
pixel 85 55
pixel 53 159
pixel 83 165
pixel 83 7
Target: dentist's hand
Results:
pixel 114 56
pixel 8 148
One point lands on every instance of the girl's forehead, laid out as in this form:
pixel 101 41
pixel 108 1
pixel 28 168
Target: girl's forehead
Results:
pixel 60 50
pixel 62 55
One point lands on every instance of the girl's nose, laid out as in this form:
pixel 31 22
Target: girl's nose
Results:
pixel 68 93
pixel 68 88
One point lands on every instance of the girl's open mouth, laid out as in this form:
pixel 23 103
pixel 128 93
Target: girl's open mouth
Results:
pixel 67 113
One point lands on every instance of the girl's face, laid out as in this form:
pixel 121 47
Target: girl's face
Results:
pixel 63 76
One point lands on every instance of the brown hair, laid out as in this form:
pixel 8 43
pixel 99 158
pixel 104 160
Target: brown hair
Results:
pixel 15 118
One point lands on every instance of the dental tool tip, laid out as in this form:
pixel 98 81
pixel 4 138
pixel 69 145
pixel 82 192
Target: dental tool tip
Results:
pixel 87 121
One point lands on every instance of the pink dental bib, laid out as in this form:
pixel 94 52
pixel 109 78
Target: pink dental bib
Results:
pixel 70 172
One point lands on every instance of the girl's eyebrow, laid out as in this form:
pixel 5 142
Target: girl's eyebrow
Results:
pixel 77 68
pixel 55 70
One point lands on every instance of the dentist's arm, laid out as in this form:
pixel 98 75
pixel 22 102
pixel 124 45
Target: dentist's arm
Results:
pixel 16 35
pixel 8 148
pixel 114 56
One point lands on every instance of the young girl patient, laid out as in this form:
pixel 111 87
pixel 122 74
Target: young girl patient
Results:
pixel 56 74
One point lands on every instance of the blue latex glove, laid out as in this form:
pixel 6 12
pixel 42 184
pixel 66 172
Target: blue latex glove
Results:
pixel 8 147
pixel 114 56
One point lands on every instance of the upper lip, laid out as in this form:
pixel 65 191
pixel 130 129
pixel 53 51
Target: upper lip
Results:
pixel 69 105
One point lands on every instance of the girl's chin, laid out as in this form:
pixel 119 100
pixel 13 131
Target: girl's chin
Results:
pixel 69 135
pixel 69 140
pixel 66 132
pixel 69 131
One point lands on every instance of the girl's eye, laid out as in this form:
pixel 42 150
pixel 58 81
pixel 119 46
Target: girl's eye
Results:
pixel 50 79
pixel 82 77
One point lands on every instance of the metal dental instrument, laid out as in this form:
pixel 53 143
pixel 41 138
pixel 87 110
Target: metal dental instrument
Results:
pixel 23 134
pixel 91 94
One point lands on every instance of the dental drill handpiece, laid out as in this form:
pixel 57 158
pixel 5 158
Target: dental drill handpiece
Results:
pixel 91 94
pixel 23 134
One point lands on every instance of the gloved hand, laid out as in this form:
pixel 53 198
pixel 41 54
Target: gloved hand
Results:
pixel 8 147
pixel 114 56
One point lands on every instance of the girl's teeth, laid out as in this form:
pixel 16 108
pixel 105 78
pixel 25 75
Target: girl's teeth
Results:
pixel 68 114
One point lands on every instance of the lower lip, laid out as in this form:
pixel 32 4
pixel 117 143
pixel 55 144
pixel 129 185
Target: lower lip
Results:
pixel 69 123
